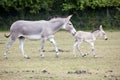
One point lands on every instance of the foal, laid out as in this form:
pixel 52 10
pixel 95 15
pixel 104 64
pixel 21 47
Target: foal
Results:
pixel 89 37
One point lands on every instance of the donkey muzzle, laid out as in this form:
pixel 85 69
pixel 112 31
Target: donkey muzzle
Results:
pixel 74 33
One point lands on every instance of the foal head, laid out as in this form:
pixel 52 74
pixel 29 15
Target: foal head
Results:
pixel 69 26
pixel 100 33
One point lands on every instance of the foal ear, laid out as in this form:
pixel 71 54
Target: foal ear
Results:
pixel 101 27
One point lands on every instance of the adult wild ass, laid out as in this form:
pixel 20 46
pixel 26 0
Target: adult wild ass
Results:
pixel 38 30
pixel 89 37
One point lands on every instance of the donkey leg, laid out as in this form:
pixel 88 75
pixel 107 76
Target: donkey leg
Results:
pixel 55 45
pixel 21 46
pixel 7 47
pixel 42 48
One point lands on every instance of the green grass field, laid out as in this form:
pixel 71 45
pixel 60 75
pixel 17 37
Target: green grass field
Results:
pixel 105 67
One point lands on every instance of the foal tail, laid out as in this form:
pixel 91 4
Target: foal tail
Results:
pixel 7 36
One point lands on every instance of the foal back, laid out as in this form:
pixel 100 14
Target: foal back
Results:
pixel 84 36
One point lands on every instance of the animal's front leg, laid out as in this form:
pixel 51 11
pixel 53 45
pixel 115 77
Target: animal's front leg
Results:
pixel 93 49
pixel 78 48
pixel 55 45
pixel 42 48
pixel 74 47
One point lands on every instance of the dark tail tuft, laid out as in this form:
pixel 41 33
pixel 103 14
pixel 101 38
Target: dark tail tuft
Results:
pixel 7 36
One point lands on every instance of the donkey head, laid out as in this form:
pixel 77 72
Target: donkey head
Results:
pixel 69 26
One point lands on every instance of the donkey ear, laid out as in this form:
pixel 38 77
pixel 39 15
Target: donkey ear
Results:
pixel 101 27
pixel 69 17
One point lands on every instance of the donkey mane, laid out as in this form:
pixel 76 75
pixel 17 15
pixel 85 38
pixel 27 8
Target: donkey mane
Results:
pixel 53 20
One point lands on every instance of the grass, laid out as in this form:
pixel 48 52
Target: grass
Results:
pixel 105 67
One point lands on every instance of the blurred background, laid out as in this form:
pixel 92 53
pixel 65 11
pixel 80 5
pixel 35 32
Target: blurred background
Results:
pixel 87 14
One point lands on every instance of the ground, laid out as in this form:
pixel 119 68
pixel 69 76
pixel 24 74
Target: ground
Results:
pixel 105 67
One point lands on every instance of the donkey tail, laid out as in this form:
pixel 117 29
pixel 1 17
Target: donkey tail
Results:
pixel 7 36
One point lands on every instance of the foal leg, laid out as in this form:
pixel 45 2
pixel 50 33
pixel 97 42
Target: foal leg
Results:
pixel 78 48
pixel 55 45
pixel 21 46
pixel 7 47
pixel 92 49
pixel 76 45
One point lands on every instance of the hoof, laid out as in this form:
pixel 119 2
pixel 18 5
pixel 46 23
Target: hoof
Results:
pixel 84 55
pixel 27 57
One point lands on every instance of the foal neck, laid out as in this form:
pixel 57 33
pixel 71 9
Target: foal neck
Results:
pixel 96 33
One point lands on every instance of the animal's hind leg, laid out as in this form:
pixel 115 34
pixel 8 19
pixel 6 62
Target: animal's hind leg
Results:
pixel 7 48
pixel 21 46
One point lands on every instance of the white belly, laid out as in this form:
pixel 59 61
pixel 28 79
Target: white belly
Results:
pixel 36 37
pixel 33 37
